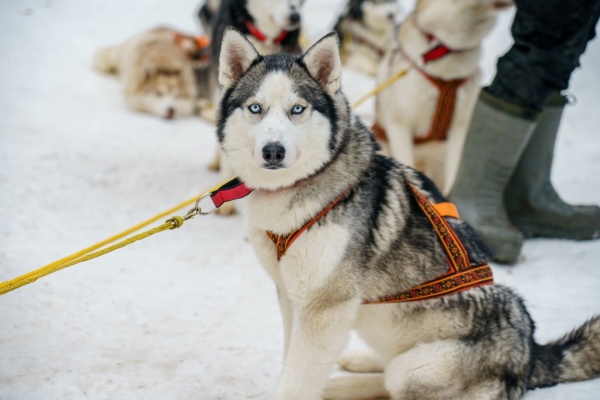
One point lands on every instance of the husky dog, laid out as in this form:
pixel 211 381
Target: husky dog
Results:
pixel 272 26
pixel 207 14
pixel 156 69
pixel 426 113
pixel 366 30
pixel 340 228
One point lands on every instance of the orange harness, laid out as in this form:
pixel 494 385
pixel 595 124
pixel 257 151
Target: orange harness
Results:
pixel 444 108
pixel 197 47
pixel 283 242
pixel 446 101
pixel 461 275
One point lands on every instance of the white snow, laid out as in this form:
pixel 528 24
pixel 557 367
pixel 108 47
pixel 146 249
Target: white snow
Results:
pixel 185 314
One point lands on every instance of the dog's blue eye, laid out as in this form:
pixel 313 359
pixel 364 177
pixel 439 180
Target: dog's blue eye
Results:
pixel 298 109
pixel 254 108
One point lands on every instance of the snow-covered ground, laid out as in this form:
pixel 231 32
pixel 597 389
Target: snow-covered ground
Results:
pixel 186 314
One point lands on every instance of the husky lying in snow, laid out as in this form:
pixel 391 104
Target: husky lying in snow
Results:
pixel 425 115
pixel 272 26
pixel 366 30
pixel 156 69
pixel 349 236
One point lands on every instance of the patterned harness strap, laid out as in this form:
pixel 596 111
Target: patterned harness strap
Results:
pixel 283 242
pixel 461 274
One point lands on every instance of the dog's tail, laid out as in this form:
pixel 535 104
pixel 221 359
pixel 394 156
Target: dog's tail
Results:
pixel 573 357
pixel 106 60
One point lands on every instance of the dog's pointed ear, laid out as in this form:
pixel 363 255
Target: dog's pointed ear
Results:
pixel 237 55
pixel 324 64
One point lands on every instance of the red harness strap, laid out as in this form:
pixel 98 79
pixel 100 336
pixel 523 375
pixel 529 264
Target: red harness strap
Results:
pixel 461 274
pixel 283 242
pixel 254 31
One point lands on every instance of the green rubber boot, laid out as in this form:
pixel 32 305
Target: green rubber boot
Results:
pixel 531 201
pixel 497 136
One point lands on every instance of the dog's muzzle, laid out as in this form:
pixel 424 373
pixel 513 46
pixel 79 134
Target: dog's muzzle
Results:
pixel 273 154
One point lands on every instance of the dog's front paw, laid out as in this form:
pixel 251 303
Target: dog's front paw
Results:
pixel 227 209
pixel 356 387
pixel 360 360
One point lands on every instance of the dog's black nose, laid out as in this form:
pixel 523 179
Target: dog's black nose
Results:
pixel 273 154
pixel 170 113
pixel 294 18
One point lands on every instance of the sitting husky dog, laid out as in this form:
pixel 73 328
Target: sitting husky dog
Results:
pixel 350 237
pixel 272 26
pixel 366 30
pixel 425 115
pixel 156 69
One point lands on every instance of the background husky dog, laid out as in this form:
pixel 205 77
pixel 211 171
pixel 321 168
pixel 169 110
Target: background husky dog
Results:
pixel 272 26
pixel 366 30
pixel 156 72
pixel 406 110
pixel 207 14
pixel 286 128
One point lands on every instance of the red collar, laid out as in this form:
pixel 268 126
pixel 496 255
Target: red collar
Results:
pixel 254 31
pixel 231 190
pixel 438 51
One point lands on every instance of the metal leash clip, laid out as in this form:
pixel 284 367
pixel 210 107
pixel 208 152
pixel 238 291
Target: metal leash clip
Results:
pixel 197 210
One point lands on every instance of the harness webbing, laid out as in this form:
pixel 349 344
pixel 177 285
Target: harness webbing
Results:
pixel 444 107
pixel 446 101
pixel 461 275
pixel 283 242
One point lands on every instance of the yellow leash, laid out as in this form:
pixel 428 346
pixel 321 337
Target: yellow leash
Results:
pixel 89 252
pixel 92 252
pixel 389 82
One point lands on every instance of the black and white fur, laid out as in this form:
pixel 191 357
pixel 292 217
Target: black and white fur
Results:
pixel 270 17
pixel 471 345
pixel 366 29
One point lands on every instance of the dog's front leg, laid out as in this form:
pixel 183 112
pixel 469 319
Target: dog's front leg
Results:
pixel 286 316
pixel 320 329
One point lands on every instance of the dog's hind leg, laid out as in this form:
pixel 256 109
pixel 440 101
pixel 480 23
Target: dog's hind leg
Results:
pixel 441 370
pixel 356 387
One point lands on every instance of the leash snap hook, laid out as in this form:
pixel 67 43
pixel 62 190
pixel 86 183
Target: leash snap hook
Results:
pixel 197 210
